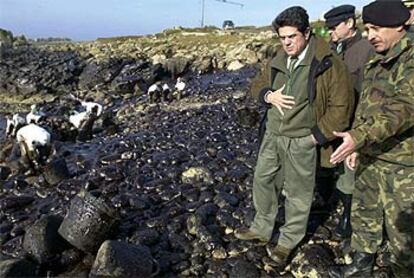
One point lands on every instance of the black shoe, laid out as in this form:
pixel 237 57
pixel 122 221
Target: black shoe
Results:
pixel 344 230
pixel 361 266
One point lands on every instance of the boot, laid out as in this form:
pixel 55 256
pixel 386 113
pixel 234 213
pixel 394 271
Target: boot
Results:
pixel 279 255
pixel 344 230
pixel 247 234
pixel 361 266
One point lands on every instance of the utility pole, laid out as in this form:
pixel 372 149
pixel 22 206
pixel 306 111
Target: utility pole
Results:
pixel 202 12
pixel 223 1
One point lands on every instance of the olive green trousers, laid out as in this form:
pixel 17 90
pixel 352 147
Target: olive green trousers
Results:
pixel 346 180
pixel 287 164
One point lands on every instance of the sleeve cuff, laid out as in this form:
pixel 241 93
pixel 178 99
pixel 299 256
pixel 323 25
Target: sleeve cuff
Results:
pixel 317 133
pixel 262 96
pixel 358 137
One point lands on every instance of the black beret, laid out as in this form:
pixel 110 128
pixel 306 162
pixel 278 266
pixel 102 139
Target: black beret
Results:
pixel 338 14
pixel 385 13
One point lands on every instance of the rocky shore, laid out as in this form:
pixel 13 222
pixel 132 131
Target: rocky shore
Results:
pixel 161 193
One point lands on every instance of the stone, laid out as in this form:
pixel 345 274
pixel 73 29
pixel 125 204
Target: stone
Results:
pixel 312 261
pixel 42 240
pixel 235 65
pixel 56 171
pixel 88 223
pixel 120 259
pixel 196 174
pixel 4 172
pixel 17 268
pixel 244 268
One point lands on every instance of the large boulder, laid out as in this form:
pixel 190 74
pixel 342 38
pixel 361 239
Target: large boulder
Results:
pixel 120 259
pixel 42 240
pixel 89 222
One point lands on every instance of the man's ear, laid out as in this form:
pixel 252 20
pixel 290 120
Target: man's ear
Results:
pixel 307 33
pixel 400 28
pixel 350 22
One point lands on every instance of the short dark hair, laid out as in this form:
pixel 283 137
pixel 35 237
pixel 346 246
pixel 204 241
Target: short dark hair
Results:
pixel 294 16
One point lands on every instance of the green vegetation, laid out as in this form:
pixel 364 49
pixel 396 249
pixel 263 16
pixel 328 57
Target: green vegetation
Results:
pixel 319 28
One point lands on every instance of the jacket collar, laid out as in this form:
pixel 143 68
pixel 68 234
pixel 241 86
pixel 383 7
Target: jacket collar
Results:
pixel 399 48
pixel 347 43
pixel 318 49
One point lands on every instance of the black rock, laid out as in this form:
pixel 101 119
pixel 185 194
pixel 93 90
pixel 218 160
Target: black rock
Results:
pixel 4 172
pixel 244 269
pixel 17 268
pixel 56 171
pixel 42 240
pixel 120 259
pixel 88 223
pixel 315 258
pixel 15 202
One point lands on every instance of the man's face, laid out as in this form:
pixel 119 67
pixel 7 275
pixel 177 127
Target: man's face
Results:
pixel 383 38
pixel 341 31
pixel 293 41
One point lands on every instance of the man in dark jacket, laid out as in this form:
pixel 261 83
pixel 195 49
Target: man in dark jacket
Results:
pixel 381 139
pixel 308 95
pixel 355 51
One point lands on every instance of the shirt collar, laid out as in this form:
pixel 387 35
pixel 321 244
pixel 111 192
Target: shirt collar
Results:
pixel 300 57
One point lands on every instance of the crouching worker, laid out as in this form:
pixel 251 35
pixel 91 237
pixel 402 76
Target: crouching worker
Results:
pixel 35 145
pixel 155 92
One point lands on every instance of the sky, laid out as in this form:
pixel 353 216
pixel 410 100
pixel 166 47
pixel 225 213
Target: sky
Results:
pixel 89 19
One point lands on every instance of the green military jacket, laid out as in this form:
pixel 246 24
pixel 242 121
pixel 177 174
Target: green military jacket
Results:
pixel 330 92
pixel 384 120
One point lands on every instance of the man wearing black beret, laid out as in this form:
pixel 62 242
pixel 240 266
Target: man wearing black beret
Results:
pixel 355 51
pixel 380 146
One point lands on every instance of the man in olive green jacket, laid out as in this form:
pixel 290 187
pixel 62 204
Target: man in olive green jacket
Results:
pixel 382 139
pixel 308 95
